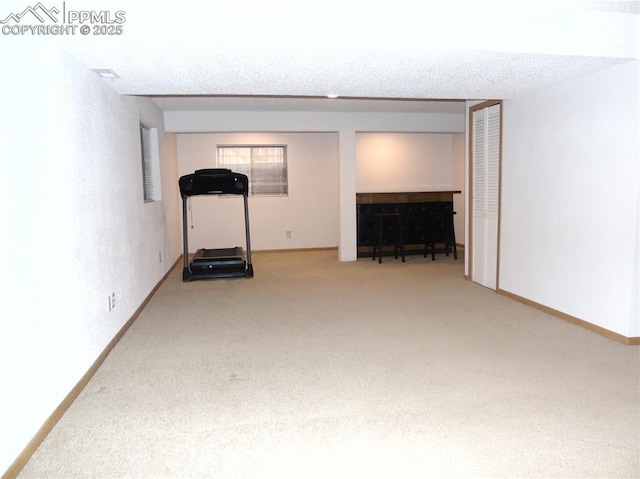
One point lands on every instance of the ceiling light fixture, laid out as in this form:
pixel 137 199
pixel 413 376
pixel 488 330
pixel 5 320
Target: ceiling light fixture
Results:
pixel 332 95
pixel 105 73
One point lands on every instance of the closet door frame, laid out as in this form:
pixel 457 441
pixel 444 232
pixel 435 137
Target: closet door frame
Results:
pixel 470 188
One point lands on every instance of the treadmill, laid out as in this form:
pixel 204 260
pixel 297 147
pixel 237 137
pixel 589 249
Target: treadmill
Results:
pixel 218 262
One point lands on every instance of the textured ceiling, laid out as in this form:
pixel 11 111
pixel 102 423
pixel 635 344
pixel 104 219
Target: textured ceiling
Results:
pixel 257 55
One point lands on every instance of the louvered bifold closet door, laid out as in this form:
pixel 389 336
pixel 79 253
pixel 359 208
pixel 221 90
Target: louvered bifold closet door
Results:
pixel 486 194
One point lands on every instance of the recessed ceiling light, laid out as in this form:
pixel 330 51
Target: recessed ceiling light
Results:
pixel 332 95
pixel 106 73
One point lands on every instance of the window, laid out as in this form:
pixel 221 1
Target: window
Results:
pixel 150 163
pixel 265 165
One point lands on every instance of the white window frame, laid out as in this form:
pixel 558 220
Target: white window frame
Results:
pixel 256 174
pixel 150 157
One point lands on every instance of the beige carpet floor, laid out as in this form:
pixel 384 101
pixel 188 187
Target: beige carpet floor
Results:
pixel 322 369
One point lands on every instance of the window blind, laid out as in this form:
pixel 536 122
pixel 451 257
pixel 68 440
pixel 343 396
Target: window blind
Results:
pixel 264 165
pixel 147 177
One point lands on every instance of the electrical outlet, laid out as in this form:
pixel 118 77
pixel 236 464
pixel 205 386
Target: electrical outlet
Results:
pixel 160 256
pixel 288 234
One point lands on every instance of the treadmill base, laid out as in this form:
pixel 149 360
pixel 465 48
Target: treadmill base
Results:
pixel 217 263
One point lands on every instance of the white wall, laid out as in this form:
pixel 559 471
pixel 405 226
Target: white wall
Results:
pixel 569 232
pixel 74 229
pixel 345 124
pixel 396 162
pixel 300 121
pixel 309 212
pixel 384 162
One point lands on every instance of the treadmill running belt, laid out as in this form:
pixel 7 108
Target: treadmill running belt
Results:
pixel 218 253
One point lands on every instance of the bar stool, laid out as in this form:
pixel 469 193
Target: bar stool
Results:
pixel 440 229
pixel 394 238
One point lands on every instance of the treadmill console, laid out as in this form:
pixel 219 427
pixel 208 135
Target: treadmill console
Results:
pixel 214 181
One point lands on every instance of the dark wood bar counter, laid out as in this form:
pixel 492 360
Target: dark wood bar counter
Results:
pixel 409 197
pixel 427 217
